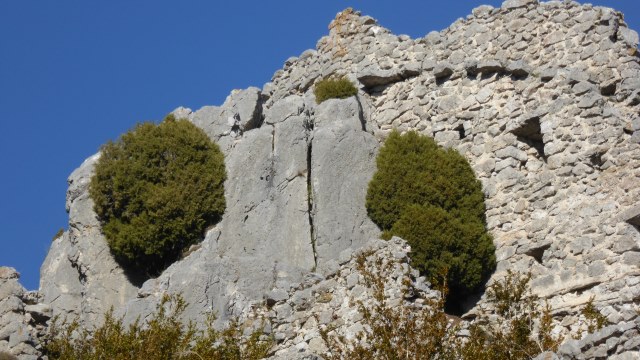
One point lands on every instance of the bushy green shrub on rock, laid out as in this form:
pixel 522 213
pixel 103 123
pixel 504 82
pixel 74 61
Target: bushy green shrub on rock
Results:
pixel 334 89
pixel 155 190
pixel 430 197
pixel 441 241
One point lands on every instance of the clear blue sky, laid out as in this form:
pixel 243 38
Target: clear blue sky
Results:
pixel 74 74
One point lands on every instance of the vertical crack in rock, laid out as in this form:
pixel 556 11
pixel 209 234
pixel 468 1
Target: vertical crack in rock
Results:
pixel 257 118
pixel 361 114
pixel 273 143
pixel 310 203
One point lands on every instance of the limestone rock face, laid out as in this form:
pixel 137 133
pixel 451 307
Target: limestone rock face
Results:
pixel 289 211
pixel 79 278
pixel 342 164
pixel 541 98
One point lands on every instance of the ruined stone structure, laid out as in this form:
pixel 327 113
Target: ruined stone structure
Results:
pixel 543 99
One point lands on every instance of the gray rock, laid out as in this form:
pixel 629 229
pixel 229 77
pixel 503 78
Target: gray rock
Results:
pixel 245 108
pixel 488 66
pixel 282 110
pixel 442 70
pixel 276 295
pixel 7 273
pixel 547 74
pixel 518 68
pixel 79 277
pixel 583 87
pixel 10 323
pixel 482 11
pixel 10 288
pixel 377 77
pixel 513 4
pixel 182 113
pixel 630 37
pixel 590 100
pixel 39 312
pixel 342 164
pixel 484 95
pixel 241 111
pixel 20 335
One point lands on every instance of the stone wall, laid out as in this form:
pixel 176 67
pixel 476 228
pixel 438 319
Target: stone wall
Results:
pixel 543 100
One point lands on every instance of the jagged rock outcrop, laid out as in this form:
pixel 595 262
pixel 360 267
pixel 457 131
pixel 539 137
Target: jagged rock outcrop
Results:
pixel 332 303
pixel 79 277
pixel 22 318
pixel 542 99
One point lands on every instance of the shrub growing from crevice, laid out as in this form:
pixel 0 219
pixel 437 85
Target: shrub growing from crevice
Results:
pixel 156 189
pixel 334 89
pixel 430 197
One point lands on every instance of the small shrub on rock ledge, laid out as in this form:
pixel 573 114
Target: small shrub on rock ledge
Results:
pixel 156 190
pixel 430 197
pixel 334 89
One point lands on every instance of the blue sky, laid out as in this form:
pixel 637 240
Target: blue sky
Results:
pixel 74 74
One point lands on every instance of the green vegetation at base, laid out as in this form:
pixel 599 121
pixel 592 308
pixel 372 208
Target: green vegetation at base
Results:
pixel 520 327
pixel 430 197
pixel 334 89
pixel 517 327
pixel 162 337
pixel 156 189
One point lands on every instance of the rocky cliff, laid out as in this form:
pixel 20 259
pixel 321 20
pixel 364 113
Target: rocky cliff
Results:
pixel 541 98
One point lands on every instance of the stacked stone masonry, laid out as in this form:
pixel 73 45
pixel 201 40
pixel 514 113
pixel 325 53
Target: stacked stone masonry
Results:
pixel 543 99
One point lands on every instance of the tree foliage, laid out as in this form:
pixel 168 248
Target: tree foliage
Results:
pixel 155 190
pixel 430 197
pixel 334 89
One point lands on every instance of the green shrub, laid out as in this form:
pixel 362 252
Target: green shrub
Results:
pixel 430 197
pixel 164 336
pixel 334 89
pixel 156 189
pixel 443 243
